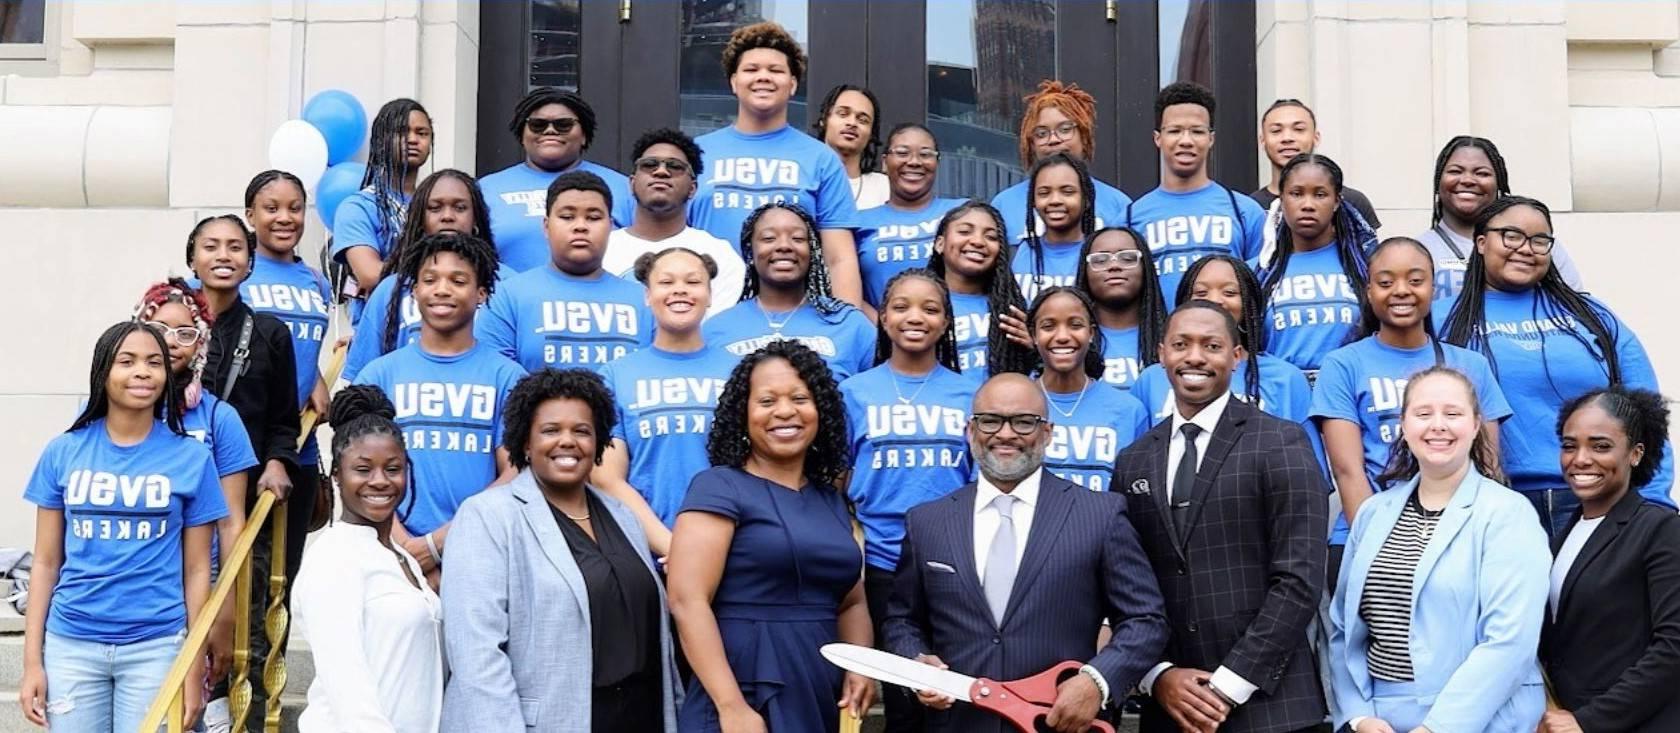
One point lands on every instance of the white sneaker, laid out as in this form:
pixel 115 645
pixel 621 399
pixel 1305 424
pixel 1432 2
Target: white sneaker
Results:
pixel 217 718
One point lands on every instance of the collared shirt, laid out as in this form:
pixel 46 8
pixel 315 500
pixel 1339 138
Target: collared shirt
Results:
pixel 1207 419
pixel 986 518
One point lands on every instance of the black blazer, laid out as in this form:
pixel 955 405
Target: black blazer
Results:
pixel 1082 564
pixel 1242 578
pixel 266 396
pixel 1613 652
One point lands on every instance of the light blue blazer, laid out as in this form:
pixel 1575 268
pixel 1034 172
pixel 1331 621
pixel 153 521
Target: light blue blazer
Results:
pixel 516 617
pixel 1478 603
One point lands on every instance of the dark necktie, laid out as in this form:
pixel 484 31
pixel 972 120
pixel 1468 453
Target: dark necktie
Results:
pixel 1185 478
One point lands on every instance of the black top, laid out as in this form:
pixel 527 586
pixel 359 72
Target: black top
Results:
pixel 623 598
pixel 266 395
pixel 1359 201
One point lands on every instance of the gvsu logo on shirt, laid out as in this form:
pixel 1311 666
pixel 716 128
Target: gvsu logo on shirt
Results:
pixel 1387 395
pixel 1082 446
pixel 592 324
pixel 291 301
pixel 916 436
pixel 905 242
pixel 447 417
pixel 1313 300
pixel 675 405
pixel 1121 370
pixel 1200 235
pixel 736 179
pixel 823 345
pixel 138 506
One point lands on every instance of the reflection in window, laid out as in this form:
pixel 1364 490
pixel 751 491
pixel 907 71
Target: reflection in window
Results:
pixel 22 21
pixel 706 101
pixel 984 58
pixel 555 31
pixel 1186 41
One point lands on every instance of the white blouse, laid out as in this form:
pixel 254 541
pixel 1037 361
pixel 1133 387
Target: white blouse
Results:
pixel 377 639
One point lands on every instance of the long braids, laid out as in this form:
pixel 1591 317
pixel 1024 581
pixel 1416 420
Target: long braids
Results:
pixel 819 292
pixel 1369 324
pixel 178 290
pixel 1003 294
pixel 478 254
pixel 1352 235
pixel 1252 324
pixel 945 350
pixel 1087 215
pixel 1501 176
pixel 1151 306
pixel 167 408
pixel 414 229
pixel 387 164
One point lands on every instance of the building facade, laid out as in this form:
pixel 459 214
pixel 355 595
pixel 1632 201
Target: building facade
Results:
pixel 121 124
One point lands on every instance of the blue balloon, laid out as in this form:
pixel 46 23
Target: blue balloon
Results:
pixel 341 120
pixel 339 183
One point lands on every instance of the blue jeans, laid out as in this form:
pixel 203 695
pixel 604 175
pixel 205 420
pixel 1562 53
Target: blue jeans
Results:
pixel 104 688
pixel 1556 507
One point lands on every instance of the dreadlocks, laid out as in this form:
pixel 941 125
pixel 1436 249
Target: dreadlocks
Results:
pixel 818 291
pixel 387 164
pixel 479 255
pixel 414 224
pixel 1003 293
pixel 1074 103
pixel 1250 326
pixel 945 350
pixel 1150 306
pixel 1087 213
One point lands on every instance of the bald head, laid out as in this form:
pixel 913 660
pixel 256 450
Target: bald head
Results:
pixel 1012 452
pixel 1010 394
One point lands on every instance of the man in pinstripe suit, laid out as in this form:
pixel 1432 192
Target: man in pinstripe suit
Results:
pixel 1229 504
pixel 1013 574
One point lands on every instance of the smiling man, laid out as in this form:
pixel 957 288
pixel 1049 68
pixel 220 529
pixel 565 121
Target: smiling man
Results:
pixel 1287 129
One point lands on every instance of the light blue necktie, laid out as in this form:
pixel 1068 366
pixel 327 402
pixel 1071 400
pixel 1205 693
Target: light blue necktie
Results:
pixel 1000 560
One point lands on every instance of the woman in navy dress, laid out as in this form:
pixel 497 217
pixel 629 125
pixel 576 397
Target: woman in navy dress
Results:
pixel 764 569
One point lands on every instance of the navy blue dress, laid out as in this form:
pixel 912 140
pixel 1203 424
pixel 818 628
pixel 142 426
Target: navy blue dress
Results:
pixel 792 561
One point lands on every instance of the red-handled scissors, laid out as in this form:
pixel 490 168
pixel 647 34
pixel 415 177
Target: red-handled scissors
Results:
pixel 1023 702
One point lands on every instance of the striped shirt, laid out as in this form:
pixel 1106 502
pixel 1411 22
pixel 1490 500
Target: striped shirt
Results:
pixel 1386 604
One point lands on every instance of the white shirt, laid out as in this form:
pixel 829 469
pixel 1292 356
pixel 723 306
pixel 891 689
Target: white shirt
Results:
pixel 1571 549
pixel 623 248
pixel 986 517
pixel 870 190
pixel 376 638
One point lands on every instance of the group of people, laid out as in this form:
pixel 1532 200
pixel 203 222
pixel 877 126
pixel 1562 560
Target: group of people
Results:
pixel 626 451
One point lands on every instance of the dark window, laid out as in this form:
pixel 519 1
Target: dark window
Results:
pixel 555 28
pixel 22 21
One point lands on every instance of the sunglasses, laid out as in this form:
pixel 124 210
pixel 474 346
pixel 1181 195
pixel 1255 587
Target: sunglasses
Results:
pixel 540 125
pixel 675 166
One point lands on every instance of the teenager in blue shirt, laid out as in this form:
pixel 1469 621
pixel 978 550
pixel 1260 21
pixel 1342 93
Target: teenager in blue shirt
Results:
pixel 788 296
pixel 1091 421
pixel 988 312
pixel 1548 343
pixel 1062 197
pixel 1059 118
pixel 760 159
pixel 1116 271
pixel 1314 274
pixel 665 395
pixel 365 226
pixel 448 388
pixel 571 312
pixel 554 128
pixel 1190 216
pixel 907 416
pixel 125 503
pixel 899 235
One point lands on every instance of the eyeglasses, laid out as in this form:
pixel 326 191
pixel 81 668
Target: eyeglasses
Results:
pixel 990 423
pixel 1125 259
pixel 540 125
pixel 1514 238
pixel 903 153
pixel 675 166
pixel 182 336
pixel 1062 131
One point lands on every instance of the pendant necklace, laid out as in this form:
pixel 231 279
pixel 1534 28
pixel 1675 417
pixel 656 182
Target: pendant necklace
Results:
pixel 1065 413
pixel 776 326
pixel 900 391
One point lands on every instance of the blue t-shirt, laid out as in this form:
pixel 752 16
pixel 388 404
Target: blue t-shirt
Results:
pixel 890 241
pixel 1365 383
pixel 124 510
pixel 1185 227
pixel 972 319
pixel 1284 394
pixel 217 425
pixel 298 295
pixel 450 412
pixel 518 196
pixel 746 171
pixel 1061 264
pixel 1103 421
pixel 358 223
pixel 665 401
pixel 547 318
pixel 1012 203
pixel 1540 368
pixel 369 340
pixel 844 339
pixel 1312 311
pixel 907 449
pixel 1120 357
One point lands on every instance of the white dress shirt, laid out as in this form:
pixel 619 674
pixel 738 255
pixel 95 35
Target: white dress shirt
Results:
pixel 986 518
pixel 1228 683
pixel 377 639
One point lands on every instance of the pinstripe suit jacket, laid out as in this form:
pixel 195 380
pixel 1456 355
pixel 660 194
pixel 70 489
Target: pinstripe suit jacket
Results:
pixel 1242 576
pixel 1081 565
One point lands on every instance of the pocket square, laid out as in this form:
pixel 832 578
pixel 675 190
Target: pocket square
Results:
pixel 1140 487
pixel 940 567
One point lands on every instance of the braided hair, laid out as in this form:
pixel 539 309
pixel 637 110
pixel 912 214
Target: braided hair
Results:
pixel 829 456
pixel 1250 327
pixel 1501 177
pixel 192 236
pixel 1087 197
pixel 261 180
pixel 387 165
pixel 819 292
pixel 871 157
pixel 1643 415
pixel 1002 293
pixel 1150 305
pixel 167 408
pixel 1353 235
pixel 177 290
pixel 945 349
pixel 477 253
pixel 1369 324
pixel 1094 365
pixel 1555 303
pixel 414 224
pixel 363 410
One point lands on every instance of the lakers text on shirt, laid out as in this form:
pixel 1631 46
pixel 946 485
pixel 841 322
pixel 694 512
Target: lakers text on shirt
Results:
pixel 916 436
pixel 444 416
pixel 138 506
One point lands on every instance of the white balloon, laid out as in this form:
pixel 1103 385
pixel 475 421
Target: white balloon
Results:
pixel 299 149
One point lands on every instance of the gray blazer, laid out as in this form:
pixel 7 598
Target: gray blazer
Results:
pixel 516 617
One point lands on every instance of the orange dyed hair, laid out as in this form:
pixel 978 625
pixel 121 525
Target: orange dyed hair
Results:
pixel 1074 102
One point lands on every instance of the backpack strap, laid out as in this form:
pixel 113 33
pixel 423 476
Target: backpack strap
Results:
pixel 241 355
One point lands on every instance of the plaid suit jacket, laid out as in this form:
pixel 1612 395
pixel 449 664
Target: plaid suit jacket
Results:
pixel 1243 569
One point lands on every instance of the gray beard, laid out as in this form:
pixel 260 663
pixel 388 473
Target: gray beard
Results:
pixel 1010 469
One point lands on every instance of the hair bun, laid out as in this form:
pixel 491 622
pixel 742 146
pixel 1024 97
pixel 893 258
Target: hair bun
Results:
pixel 359 401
